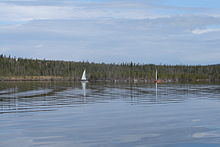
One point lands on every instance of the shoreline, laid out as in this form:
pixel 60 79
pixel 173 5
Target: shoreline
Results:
pixel 65 79
pixel 19 69
pixel 33 78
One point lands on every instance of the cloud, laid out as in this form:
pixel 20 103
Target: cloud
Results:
pixel 111 40
pixel 118 10
pixel 10 12
pixel 38 46
pixel 203 31
pixel 109 31
pixel 17 10
pixel 211 134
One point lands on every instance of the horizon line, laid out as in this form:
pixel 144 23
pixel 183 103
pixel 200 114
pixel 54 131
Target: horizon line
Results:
pixel 92 62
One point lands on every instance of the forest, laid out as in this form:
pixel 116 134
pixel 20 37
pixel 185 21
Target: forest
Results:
pixel 12 68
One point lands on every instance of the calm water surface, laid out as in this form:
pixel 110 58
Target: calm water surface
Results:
pixel 112 115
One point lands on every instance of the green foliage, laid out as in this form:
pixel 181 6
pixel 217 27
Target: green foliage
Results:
pixel 126 71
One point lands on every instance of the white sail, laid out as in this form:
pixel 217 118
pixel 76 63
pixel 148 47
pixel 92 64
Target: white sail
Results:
pixel 84 76
pixel 156 74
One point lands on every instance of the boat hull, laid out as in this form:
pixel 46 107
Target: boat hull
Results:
pixel 157 81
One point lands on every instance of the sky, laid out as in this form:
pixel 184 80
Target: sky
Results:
pixel 112 31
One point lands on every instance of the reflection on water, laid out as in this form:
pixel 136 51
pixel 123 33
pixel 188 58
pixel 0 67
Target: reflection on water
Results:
pixel 104 114
pixel 84 87
pixel 156 90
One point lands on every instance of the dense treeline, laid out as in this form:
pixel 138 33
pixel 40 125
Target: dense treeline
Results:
pixel 19 67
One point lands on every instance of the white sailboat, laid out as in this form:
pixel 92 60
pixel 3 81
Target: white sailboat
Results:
pixel 84 76
pixel 83 82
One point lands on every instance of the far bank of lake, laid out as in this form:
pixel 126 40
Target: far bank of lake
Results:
pixel 19 69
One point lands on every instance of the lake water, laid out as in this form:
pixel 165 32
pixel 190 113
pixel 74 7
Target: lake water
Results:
pixel 65 114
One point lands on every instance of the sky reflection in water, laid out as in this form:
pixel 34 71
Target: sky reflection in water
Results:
pixel 104 114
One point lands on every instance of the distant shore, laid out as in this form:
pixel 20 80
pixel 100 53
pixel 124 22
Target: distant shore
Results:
pixel 59 78
pixel 33 78
pixel 19 69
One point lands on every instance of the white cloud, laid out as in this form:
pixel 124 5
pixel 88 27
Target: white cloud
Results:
pixel 17 10
pixel 118 10
pixel 38 46
pixel 203 31
pixel 99 40
pixel 206 134
pixel 10 12
pixel 111 31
